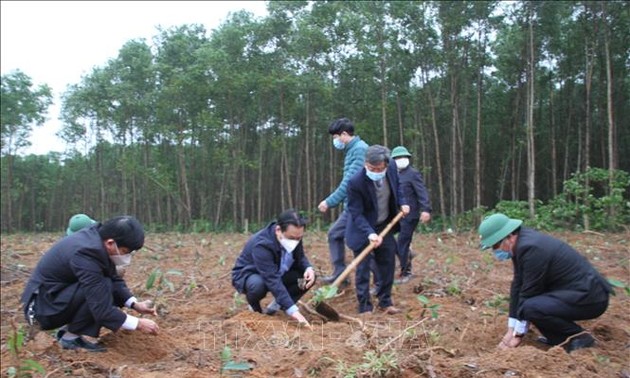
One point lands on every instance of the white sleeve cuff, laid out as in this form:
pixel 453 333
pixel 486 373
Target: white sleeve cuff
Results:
pixel 292 310
pixel 131 323
pixel 130 302
pixel 520 326
pixel 512 322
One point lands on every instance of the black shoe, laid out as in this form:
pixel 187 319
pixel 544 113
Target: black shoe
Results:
pixel 59 334
pixel 328 279
pixel 79 343
pixel 579 342
pixel 404 278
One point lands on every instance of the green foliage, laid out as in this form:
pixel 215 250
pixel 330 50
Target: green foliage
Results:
pixel 427 305
pixel 499 303
pixel 620 284
pixel 228 364
pixel 322 293
pixel 237 301
pixel 375 364
pixel 25 367
pixel 159 280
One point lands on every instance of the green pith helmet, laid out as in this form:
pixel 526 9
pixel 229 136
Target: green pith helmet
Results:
pixel 495 228
pixel 77 222
pixel 400 151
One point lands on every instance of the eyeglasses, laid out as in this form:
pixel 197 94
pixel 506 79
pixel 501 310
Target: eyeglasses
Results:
pixel 128 253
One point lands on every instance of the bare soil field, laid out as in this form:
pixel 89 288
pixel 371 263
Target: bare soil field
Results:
pixel 454 315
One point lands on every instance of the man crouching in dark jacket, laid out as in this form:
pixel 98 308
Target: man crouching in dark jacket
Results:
pixel 75 285
pixel 273 260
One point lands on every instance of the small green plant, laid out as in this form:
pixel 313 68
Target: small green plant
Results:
pixel 433 337
pixel 498 303
pixel 237 301
pixel 453 288
pixel 378 364
pixel 375 364
pixel 23 368
pixel 222 260
pixel 426 305
pixel 323 293
pixel 619 284
pixel 227 363
pixel 192 285
pixel 158 280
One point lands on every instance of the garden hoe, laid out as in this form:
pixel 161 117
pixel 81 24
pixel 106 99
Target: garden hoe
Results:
pixel 326 310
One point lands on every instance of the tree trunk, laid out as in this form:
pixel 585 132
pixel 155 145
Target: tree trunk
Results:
pixel 531 150
pixel 438 160
pixel 553 147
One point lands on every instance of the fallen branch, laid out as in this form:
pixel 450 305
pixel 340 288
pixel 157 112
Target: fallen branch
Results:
pixel 382 349
pixel 571 338
pixel 593 232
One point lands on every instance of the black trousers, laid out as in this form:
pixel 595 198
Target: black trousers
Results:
pixel 555 319
pixel 382 261
pixel 256 290
pixel 77 315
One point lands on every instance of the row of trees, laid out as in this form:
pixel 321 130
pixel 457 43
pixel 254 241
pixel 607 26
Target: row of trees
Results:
pixel 496 100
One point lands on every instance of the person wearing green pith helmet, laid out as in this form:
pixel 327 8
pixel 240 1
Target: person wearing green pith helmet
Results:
pixel 78 222
pixel 413 189
pixel 553 285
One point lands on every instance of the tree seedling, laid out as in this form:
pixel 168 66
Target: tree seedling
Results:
pixel 227 363
pixel 23 368
pixel 426 305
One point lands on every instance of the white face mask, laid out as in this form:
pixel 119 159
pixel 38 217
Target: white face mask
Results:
pixel 402 163
pixel 289 244
pixel 121 260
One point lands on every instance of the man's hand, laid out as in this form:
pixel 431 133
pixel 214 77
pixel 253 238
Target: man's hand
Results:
pixel 145 307
pixel 323 206
pixel 509 341
pixel 405 210
pixel 375 239
pixel 301 320
pixel 148 326
pixel 425 217
pixel 309 276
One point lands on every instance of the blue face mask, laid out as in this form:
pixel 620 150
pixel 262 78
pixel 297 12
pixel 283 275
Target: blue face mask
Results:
pixel 375 176
pixel 502 255
pixel 338 144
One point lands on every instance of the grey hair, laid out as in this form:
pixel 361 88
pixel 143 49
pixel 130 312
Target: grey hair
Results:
pixel 377 154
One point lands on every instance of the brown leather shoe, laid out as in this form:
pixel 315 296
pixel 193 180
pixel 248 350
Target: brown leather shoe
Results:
pixel 391 310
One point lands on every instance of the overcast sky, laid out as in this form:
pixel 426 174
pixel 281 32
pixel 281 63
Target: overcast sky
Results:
pixel 57 42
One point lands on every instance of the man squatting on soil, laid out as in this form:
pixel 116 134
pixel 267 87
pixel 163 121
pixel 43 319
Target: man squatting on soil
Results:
pixel 75 285
pixel 553 284
pixel 273 260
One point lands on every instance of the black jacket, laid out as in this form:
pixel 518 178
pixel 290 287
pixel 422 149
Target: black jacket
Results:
pixel 415 193
pixel 363 206
pixel 546 265
pixel 262 254
pixel 78 258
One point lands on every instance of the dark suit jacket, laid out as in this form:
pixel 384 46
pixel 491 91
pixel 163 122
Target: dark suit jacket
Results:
pixel 363 206
pixel 546 265
pixel 262 254
pixel 78 261
pixel 415 193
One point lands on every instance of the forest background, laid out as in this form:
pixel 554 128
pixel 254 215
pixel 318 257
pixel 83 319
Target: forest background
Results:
pixel 518 106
